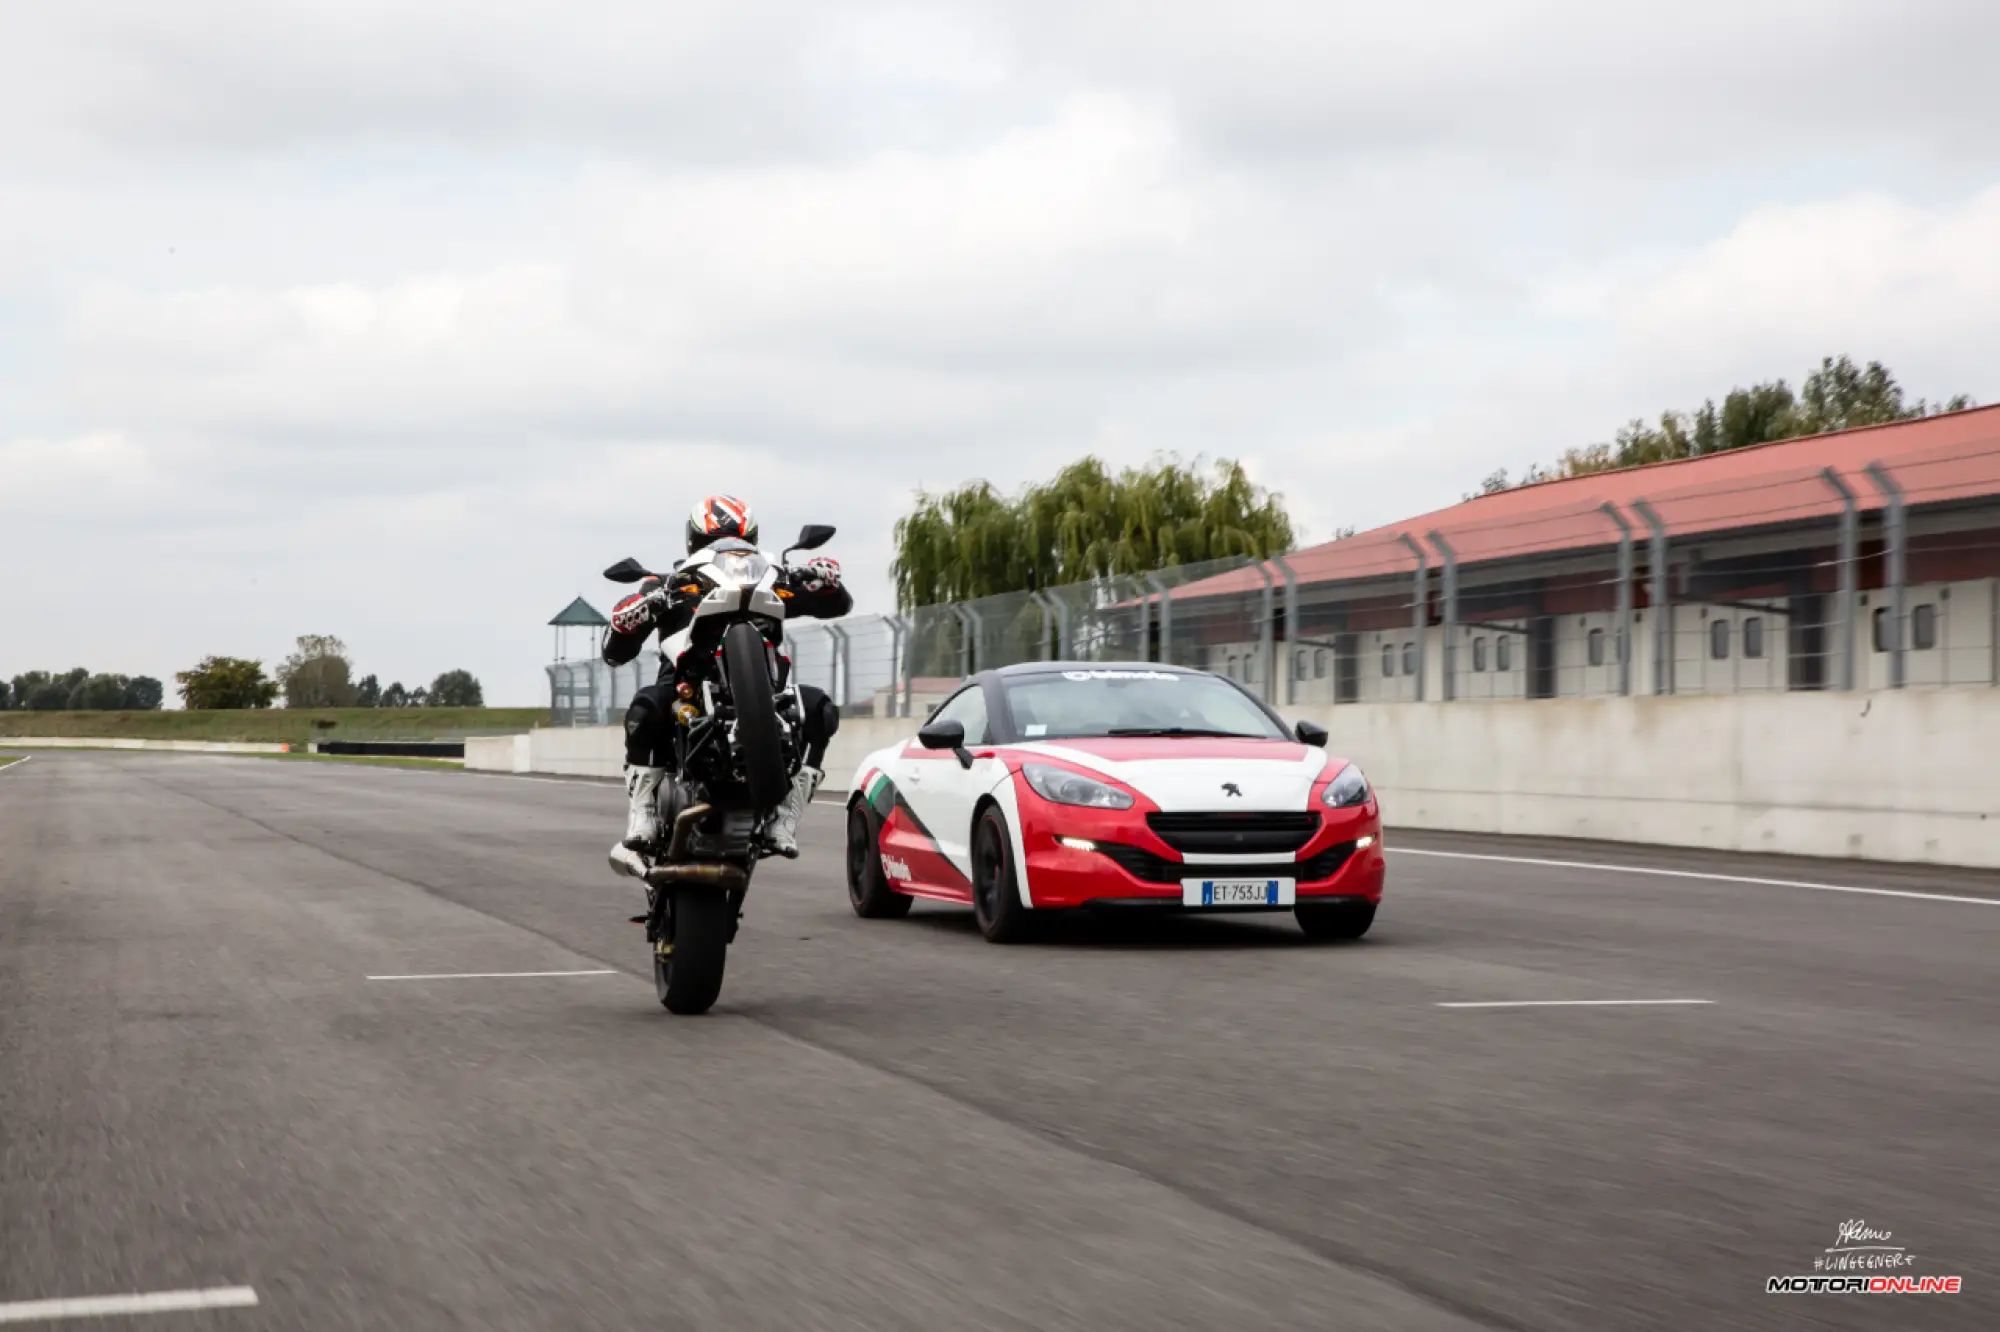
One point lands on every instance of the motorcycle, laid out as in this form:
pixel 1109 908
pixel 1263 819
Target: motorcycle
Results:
pixel 739 740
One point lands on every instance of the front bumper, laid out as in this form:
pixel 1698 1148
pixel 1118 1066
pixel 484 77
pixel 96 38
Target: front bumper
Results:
pixel 1126 866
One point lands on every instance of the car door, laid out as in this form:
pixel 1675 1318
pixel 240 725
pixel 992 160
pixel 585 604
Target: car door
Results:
pixel 940 792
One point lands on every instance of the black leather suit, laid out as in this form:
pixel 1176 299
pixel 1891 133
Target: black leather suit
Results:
pixel 649 723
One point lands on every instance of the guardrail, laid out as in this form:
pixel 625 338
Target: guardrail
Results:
pixel 1809 578
pixel 393 748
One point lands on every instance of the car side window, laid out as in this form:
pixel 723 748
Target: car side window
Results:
pixel 968 709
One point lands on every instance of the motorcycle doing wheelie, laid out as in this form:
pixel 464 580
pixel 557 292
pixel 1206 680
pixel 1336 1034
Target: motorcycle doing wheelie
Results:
pixel 739 739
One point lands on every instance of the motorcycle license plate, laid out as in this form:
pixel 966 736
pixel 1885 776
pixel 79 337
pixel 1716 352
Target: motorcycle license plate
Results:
pixel 1238 892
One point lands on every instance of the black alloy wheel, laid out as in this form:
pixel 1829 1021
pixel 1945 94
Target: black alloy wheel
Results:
pixel 868 890
pixel 996 884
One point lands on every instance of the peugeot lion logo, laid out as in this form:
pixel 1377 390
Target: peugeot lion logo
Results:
pixel 1230 788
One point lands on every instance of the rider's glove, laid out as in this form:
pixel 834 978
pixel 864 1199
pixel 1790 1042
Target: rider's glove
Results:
pixel 821 573
pixel 642 610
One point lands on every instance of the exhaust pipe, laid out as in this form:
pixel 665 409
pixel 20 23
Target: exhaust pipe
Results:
pixel 670 870
pixel 684 828
pixel 628 862
pixel 708 872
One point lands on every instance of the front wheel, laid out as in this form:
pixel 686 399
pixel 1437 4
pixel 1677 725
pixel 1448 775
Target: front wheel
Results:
pixel 688 974
pixel 1335 920
pixel 868 890
pixel 996 885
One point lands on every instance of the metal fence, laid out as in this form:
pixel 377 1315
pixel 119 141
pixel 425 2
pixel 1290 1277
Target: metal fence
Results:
pixel 1817 579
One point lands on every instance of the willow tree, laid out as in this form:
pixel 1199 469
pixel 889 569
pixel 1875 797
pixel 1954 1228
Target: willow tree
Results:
pixel 1083 523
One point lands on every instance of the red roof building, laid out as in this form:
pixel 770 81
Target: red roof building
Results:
pixel 1752 540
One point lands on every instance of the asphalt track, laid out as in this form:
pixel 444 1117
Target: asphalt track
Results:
pixel 1178 1123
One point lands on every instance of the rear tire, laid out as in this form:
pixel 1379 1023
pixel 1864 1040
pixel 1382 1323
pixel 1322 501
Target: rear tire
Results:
pixel 868 891
pixel 1335 920
pixel 996 883
pixel 689 979
pixel 759 746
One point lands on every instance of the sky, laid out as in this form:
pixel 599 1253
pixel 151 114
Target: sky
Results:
pixel 400 321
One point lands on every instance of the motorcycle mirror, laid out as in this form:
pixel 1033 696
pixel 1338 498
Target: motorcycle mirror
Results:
pixel 811 537
pixel 627 570
pixel 1310 733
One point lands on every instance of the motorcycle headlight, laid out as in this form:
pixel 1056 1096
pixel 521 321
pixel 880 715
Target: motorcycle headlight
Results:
pixel 1350 788
pixel 1063 787
pixel 742 565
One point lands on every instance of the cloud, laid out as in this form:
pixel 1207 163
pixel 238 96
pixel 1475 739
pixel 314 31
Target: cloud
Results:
pixel 96 471
pixel 887 303
pixel 1864 274
pixel 402 321
pixel 1909 284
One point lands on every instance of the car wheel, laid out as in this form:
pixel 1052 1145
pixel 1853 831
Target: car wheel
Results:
pixel 996 883
pixel 868 892
pixel 1335 920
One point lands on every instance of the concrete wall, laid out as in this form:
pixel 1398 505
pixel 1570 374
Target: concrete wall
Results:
pixel 599 751
pixel 501 753
pixel 1893 775
pixel 1889 775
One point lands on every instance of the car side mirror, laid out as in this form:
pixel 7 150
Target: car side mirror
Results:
pixel 627 570
pixel 946 735
pixel 1310 733
pixel 942 735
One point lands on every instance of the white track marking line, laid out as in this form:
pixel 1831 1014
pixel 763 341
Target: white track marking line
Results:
pixel 21 762
pixel 1574 1003
pixel 1697 874
pixel 490 975
pixel 108 1306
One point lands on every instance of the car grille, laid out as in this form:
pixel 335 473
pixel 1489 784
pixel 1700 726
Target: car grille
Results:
pixel 1231 834
pixel 1149 868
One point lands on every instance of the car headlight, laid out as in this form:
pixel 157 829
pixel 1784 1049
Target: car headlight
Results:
pixel 1347 790
pixel 1063 787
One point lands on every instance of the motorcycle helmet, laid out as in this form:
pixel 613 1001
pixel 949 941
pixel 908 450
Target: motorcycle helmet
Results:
pixel 720 516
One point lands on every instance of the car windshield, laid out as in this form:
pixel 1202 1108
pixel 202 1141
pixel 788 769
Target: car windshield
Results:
pixel 1057 705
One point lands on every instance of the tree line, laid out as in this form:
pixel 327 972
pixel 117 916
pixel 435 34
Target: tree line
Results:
pixel 318 674
pixel 1839 395
pixel 80 690
pixel 1084 523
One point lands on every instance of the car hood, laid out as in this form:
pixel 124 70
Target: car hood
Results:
pixel 1190 773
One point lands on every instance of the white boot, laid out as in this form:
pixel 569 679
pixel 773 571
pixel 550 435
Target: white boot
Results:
pixel 642 819
pixel 784 833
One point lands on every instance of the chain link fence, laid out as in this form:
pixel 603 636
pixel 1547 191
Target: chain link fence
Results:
pixel 1815 578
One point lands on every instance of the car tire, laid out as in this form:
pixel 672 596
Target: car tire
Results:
pixel 868 890
pixel 996 883
pixel 1335 920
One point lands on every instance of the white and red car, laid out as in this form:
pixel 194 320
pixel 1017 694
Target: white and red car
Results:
pixel 1049 786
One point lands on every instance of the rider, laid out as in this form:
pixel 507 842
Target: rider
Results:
pixel 649 725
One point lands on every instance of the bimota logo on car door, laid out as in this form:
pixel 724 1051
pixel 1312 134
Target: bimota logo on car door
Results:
pixel 895 869
pixel 1861 1249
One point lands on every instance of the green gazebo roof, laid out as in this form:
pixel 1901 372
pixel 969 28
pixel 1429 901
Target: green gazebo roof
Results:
pixel 580 614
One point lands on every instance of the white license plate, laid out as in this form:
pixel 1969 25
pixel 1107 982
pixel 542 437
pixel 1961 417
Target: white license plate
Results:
pixel 1238 892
